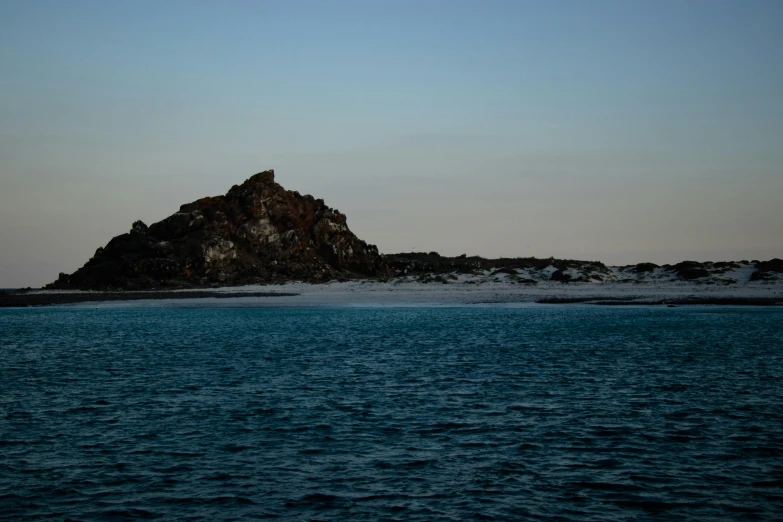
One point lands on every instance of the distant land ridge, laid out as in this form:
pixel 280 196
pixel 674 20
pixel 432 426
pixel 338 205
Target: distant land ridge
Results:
pixel 260 233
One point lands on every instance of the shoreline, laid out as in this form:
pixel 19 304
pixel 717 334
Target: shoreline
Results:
pixel 26 299
pixel 404 293
pixel 676 301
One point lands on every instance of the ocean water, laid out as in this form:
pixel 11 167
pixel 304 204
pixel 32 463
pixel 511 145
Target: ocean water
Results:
pixel 532 413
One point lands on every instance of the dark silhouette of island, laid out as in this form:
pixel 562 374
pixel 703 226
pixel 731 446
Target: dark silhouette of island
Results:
pixel 257 233
pixel 261 233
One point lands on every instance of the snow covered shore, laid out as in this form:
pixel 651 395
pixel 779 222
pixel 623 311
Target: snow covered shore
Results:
pixel 620 285
pixel 397 293
pixel 401 293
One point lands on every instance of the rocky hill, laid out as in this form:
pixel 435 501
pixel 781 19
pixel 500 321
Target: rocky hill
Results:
pixel 257 233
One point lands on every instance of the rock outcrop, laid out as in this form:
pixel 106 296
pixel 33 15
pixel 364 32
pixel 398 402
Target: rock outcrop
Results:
pixel 257 233
pixel 527 270
pixel 768 270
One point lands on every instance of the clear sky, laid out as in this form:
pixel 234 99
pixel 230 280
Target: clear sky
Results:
pixel 620 131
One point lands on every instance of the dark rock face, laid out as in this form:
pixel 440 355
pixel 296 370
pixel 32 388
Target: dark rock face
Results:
pixel 257 233
pixel 773 265
pixel 642 268
pixel 764 270
pixel 690 270
pixel 560 275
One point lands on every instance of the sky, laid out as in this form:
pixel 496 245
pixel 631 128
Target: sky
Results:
pixel 615 130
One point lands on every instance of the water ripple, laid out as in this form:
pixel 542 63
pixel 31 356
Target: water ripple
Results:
pixel 567 413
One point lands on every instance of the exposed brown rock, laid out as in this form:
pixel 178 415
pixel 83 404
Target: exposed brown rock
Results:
pixel 257 233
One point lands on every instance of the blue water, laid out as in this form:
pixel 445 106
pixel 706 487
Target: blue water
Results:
pixel 559 413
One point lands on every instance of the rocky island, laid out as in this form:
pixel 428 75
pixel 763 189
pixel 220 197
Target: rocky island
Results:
pixel 260 235
pixel 257 233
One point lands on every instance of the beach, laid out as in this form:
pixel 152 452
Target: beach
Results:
pixel 407 291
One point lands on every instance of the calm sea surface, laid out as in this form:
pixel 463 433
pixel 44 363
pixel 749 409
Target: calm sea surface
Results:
pixel 561 413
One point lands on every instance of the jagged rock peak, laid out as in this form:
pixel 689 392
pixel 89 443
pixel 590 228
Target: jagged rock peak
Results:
pixel 258 232
pixel 262 179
